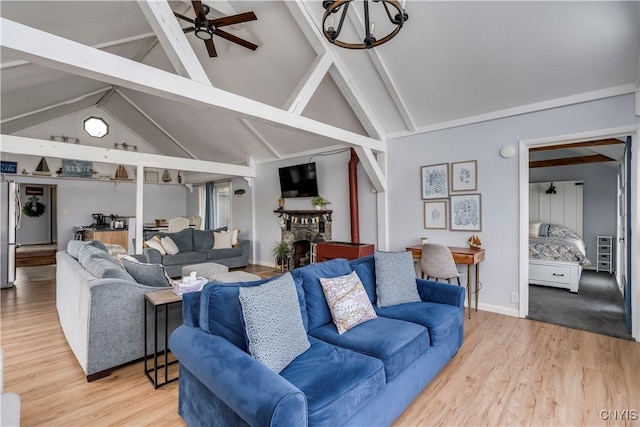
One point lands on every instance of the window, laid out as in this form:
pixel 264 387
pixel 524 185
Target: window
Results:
pixel 222 204
pixel 95 127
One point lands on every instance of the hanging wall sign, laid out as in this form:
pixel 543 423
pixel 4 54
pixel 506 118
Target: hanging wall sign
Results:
pixel 34 191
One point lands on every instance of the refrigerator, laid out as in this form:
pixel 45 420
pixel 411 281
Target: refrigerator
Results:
pixel 10 212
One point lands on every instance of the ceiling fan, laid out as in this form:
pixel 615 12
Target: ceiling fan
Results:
pixel 205 28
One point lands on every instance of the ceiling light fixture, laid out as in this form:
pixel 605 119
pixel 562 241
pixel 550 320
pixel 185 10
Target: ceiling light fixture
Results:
pixel 334 7
pixel 203 30
pixel 551 189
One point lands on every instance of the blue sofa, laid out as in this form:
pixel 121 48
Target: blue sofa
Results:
pixel 366 376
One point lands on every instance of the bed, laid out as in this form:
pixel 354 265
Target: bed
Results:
pixel 556 256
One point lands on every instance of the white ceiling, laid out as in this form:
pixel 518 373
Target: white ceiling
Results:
pixel 453 63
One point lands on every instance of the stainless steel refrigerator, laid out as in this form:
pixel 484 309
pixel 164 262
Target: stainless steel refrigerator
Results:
pixel 10 211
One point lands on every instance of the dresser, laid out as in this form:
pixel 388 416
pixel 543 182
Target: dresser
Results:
pixel 605 254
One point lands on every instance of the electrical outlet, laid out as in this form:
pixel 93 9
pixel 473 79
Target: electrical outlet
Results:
pixel 65 212
pixel 514 297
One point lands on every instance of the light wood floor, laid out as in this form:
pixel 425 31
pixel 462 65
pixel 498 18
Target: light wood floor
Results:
pixel 508 372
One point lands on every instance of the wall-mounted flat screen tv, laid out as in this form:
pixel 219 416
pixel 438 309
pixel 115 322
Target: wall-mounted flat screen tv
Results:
pixel 298 181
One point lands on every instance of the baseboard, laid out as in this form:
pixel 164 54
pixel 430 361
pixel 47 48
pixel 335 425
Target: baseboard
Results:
pixel 262 263
pixel 496 309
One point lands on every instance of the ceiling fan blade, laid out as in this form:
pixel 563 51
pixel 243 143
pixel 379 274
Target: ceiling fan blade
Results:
pixel 210 48
pixel 235 39
pixel 188 30
pixel 177 15
pixel 197 7
pixel 234 19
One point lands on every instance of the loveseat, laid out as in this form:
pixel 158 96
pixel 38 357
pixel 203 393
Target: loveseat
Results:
pixel 101 308
pixel 195 247
pixel 366 376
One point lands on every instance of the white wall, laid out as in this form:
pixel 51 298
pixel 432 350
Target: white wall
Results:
pixel 497 182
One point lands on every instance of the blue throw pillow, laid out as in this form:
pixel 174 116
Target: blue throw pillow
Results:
pixel 273 322
pixel 395 278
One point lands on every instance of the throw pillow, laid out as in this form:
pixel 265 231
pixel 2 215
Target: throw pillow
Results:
pixel 146 274
pixel 156 244
pixel 348 301
pixel 73 247
pixel 234 237
pixel 222 240
pixel 534 228
pixel 169 245
pixel 117 252
pixel 273 323
pixel 395 278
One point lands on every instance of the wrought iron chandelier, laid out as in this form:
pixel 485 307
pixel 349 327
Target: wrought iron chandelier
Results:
pixel 333 8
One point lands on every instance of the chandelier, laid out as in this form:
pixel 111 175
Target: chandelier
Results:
pixel 333 8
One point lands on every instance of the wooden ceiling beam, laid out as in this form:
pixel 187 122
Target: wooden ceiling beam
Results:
pixel 599 142
pixel 582 160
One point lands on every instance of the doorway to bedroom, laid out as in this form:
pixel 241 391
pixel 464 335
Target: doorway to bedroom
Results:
pixel 571 228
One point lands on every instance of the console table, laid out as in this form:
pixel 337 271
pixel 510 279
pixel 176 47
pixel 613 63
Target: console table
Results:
pixel 468 256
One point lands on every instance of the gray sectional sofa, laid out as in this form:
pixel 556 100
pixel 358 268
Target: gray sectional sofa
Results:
pixel 196 247
pixel 101 309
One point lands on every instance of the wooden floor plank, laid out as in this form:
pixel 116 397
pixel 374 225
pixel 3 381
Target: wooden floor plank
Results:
pixel 509 371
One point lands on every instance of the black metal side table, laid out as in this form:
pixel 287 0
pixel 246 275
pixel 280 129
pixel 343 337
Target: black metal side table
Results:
pixel 158 299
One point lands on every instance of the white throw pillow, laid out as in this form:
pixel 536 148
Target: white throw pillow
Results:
pixel 169 245
pixel 234 237
pixel 222 240
pixel 534 228
pixel 155 243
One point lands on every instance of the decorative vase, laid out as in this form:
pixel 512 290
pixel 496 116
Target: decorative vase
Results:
pixel 424 240
pixel 318 207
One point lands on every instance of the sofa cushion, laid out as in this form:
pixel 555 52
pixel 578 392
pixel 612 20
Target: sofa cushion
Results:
pixel 317 308
pixel 221 314
pixel 184 258
pixel 395 342
pixel 214 254
pixel 156 243
pixel 90 251
pixel 146 274
pixel 441 320
pixel 395 278
pixel 348 301
pixel 73 247
pixel 366 269
pixel 273 323
pixel 169 245
pixel 105 269
pixel 354 380
pixel 202 240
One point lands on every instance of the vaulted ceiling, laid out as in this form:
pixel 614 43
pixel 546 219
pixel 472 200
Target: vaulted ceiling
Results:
pixel 454 63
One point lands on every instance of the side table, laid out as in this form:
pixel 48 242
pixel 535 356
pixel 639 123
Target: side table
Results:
pixel 157 299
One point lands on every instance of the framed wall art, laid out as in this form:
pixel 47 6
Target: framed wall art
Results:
pixel 435 214
pixel 8 167
pixel 151 177
pixel 464 176
pixel 466 212
pixel 77 168
pixel 435 181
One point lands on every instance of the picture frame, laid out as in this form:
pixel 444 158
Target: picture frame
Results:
pixel 464 176
pixel 77 168
pixel 8 167
pixel 151 177
pixel 435 214
pixel 435 181
pixel 466 212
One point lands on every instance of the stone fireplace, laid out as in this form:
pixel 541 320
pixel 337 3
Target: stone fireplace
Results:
pixel 302 229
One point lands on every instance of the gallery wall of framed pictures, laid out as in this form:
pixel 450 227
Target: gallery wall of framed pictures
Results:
pixel 451 200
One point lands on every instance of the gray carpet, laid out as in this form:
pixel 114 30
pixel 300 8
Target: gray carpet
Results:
pixel 598 307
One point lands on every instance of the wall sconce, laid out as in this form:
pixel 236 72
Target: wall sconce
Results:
pixel 551 189
pixel 239 191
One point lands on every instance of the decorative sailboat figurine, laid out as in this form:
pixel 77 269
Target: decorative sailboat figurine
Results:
pixel 166 176
pixel 474 242
pixel 121 173
pixel 43 168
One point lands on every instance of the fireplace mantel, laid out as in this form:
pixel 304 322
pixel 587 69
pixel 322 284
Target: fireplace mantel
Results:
pixel 305 211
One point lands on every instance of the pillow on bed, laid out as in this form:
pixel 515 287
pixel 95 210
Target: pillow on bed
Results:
pixel 533 229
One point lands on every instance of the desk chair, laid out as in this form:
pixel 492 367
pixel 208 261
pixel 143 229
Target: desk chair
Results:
pixel 437 262
pixel 177 224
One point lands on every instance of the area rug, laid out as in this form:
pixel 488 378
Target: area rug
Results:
pixel 598 307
